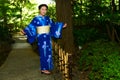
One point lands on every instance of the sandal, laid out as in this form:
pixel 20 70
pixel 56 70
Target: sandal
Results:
pixel 45 72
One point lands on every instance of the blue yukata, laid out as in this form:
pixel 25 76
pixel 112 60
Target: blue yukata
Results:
pixel 44 39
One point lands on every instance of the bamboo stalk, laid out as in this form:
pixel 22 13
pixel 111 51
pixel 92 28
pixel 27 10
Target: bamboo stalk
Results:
pixel 62 61
pixel 56 47
pixel 60 58
pixel 66 66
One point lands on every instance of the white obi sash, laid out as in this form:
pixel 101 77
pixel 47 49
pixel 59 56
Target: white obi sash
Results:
pixel 43 29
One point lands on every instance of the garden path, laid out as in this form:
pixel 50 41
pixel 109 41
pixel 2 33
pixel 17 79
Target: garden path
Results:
pixel 22 63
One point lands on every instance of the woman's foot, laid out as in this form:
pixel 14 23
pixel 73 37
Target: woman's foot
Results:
pixel 45 72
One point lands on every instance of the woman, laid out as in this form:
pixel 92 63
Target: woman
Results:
pixel 43 28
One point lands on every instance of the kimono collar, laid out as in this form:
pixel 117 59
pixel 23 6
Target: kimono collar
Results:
pixel 41 16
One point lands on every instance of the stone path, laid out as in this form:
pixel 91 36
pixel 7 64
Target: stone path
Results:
pixel 22 64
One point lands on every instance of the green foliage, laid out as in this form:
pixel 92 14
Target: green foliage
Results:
pixel 85 35
pixel 52 11
pixel 98 14
pixel 102 59
pixel 16 12
pixel 90 11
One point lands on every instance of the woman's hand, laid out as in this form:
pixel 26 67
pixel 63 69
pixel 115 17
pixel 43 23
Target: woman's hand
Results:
pixel 22 32
pixel 65 25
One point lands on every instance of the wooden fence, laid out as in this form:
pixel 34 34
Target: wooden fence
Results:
pixel 62 60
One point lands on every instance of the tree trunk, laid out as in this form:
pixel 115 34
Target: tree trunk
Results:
pixel 64 14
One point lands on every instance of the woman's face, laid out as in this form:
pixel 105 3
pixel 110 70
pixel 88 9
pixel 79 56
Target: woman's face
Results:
pixel 43 11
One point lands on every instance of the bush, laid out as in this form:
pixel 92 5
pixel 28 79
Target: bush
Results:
pixel 85 35
pixel 102 59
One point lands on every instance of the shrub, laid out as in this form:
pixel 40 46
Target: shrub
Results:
pixel 84 35
pixel 102 59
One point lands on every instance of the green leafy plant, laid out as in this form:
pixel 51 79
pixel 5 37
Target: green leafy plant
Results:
pixel 101 58
pixel 84 35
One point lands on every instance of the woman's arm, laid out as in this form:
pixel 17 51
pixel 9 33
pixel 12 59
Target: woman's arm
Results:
pixel 30 31
pixel 56 28
pixel 52 23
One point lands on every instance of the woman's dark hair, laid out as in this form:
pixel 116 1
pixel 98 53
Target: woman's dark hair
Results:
pixel 40 6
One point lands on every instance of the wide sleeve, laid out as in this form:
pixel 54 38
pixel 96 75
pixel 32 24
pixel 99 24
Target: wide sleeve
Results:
pixel 30 31
pixel 56 29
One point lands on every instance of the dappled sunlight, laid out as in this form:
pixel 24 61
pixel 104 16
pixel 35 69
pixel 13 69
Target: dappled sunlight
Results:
pixel 21 45
pixel 42 1
pixel 20 36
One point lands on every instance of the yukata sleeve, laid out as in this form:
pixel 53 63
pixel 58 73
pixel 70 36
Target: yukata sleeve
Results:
pixel 30 31
pixel 56 29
